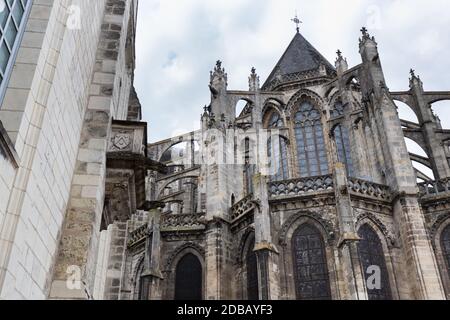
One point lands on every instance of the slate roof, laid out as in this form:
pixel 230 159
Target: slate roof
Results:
pixel 300 56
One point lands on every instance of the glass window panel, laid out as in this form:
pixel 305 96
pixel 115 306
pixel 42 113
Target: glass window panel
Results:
pixel 11 34
pixel 4 57
pixel 18 12
pixel 4 13
pixel 12 14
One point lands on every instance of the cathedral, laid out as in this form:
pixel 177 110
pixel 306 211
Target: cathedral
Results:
pixel 308 193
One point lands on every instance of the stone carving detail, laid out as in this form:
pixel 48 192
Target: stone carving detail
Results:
pixel 121 141
pixel 327 226
pixel 390 238
pixel 179 222
pixel 242 208
pixel 434 187
pixel 297 187
pixel 187 246
pixel 369 189
pixel 437 224
pixel 293 77
pixel 138 235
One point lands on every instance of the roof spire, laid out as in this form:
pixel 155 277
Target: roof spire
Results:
pixel 297 21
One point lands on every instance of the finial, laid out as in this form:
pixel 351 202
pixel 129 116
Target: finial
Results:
pixel 297 21
pixel 364 32
pixel 339 53
pixel 219 64
pixel 412 72
pixel 253 70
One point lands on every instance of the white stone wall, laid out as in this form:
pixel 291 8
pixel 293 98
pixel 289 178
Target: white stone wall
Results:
pixel 48 138
pixel 7 173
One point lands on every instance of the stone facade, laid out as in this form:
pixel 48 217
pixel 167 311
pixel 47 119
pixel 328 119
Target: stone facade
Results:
pixel 299 196
pixel 223 202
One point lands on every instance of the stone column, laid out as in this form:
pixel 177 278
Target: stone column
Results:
pixel 151 276
pixel 266 252
pixel 423 274
pixel 80 234
pixel 429 123
pixel 350 263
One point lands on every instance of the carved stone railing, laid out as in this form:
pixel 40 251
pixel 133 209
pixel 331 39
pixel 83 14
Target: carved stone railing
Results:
pixel 182 222
pixel 242 207
pixel 302 186
pixel 138 235
pixel 434 187
pixel 367 188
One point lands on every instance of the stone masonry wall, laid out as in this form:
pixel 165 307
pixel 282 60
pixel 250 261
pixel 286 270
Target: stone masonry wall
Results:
pixel 81 233
pixel 49 88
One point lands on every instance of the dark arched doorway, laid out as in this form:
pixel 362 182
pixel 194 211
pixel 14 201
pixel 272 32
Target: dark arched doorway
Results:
pixel 188 278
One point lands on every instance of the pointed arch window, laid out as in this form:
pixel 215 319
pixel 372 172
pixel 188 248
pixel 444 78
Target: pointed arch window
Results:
pixel 252 273
pixel 188 278
pixel 372 255
pixel 275 120
pixel 311 150
pixel 341 137
pixel 445 244
pixel 310 265
pixel 277 151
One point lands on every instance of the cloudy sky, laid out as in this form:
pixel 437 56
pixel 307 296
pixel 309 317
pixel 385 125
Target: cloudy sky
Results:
pixel 179 41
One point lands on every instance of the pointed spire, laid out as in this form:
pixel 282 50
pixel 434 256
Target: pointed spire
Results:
pixel 365 36
pixel 253 81
pixel 300 57
pixel 341 63
pixel 415 79
pixel 218 79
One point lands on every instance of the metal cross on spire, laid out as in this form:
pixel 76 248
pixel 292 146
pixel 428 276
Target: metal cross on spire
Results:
pixel 297 21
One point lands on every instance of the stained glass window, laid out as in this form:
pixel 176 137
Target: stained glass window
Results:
pixel 252 273
pixel 372 255
pixel 445 242
pixel 311 150
pixel 275 121
pixel 310 266
pixel 12 24
pixel 278 161
pixel 188 278
pixel 338 109
pixel 342 139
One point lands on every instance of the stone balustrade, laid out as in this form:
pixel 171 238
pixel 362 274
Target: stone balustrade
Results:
pixel 434 187
pixel 302 186
pixel 242 207
pixel 182 222
pixel 138 235
pixel 367 188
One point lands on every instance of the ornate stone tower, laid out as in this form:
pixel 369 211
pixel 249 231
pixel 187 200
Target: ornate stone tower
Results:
pixel 308 193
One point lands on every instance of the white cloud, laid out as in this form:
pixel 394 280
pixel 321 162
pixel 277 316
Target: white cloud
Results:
pixel 179 41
